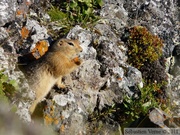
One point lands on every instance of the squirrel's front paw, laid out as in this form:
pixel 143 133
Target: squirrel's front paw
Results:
pixel 60 85
pixel 77 61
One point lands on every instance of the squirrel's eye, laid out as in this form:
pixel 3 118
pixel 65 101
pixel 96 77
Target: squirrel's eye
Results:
pixel 71 44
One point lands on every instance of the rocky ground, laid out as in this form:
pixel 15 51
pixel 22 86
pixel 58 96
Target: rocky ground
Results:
pixel 98 87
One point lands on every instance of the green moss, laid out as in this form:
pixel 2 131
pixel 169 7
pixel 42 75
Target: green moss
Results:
pixel 143 46
pixel 8 87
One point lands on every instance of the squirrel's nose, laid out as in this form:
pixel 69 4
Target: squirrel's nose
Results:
pixel 81 49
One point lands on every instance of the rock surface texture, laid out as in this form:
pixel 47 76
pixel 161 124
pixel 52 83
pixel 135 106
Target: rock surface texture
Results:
pixel 105 77
pixel 7 11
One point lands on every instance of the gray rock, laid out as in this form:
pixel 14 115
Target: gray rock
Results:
pixel 8 62
pixel 175 61
pixel 7 11
pixel 174 96
pixel 63 100
pixel 134 77
pixel 3 34
pixel 85 39
pixel 40 31
pixel 161 18
pixel 116 12
pixel 158 117
pixel 175 81
pixel 104 77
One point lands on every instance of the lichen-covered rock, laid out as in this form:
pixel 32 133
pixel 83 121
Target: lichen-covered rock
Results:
pixel 158 117
pixel 29 36
pixel 174 89
pixel 24 95
pixel 174 96
pixel 8 60
pixel 7 11
pixel 175 67
pixel 160 17
pixel 117 12
pixel 3 34
pixel 104 77
pixel 40 31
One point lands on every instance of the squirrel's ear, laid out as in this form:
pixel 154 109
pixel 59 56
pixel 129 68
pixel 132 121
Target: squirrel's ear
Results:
pixel 60 43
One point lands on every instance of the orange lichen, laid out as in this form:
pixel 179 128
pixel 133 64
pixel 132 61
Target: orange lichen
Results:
pixel 28 3
pixel 62 128
pixel 24 32
pixel 40 49
pixel 19 12
pixel 119 79
pixel 56 121
pixel 48 120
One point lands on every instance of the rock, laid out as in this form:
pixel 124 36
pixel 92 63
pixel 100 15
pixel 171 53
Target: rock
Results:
pixel 40 32
pixel 3 34
pixel 8 60
pixel 160 18
pixel 36 36
pixel 7 11
pixel 174 92
pixel 9 64
pixel 79 127
pixel 63 100
pixel 175 67
pixel 85 39
pixel 104 77
pixel 134 77
pixel 158 117
pixel 174 88
pixel 117 12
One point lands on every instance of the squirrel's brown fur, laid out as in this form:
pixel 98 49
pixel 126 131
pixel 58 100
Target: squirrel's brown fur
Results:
pixel 61 59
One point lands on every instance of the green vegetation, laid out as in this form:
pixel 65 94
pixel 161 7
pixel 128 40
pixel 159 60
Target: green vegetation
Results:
pixel 75 12
pixel 143 47
pixel 137 107
pixel 8 88
pixel 56 14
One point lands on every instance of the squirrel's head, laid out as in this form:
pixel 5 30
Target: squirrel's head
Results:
pixel 68 46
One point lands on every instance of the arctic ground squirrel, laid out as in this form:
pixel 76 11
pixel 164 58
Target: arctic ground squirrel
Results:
pixel 61 59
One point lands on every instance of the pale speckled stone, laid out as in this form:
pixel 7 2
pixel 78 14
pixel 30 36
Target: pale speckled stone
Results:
pixel 7 11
